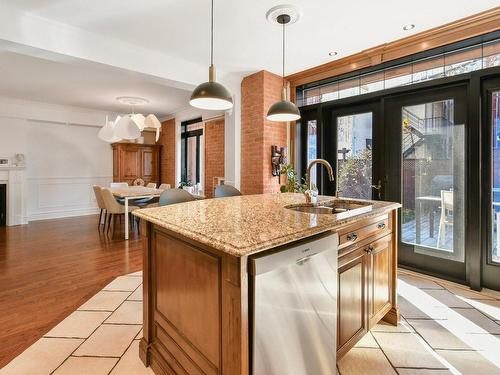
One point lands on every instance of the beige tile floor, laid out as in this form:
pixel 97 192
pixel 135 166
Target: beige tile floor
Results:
pixel 445 329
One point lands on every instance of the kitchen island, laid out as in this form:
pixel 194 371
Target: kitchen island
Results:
pixel 197 303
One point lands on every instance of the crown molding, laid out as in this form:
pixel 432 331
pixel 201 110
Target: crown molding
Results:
pixel 465 28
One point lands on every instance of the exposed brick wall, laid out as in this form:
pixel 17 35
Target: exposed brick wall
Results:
pixel 214 153
pixel 167 163
pixel 258 92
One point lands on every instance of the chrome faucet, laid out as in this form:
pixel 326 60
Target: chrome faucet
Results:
pixel 312 194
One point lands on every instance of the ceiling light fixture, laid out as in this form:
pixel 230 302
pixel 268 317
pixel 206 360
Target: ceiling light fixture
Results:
pixel 107 132
pixel 131 125
pixel 408 27
pixel 333 53
pixel 284 110
pixel 211 95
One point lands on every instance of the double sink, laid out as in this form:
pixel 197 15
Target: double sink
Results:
pixel 341 208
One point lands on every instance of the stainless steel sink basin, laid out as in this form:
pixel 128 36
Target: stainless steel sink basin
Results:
pixel 338 207
pixel 317 209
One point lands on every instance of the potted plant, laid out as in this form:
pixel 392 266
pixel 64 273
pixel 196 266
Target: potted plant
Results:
pixel 293 183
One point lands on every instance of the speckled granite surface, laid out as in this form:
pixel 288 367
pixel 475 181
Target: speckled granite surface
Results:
pixel 248 224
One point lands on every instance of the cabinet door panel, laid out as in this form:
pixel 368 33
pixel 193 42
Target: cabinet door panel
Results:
pixel 148 164
pixel 130 164
pixel 351 298
pixel 116 169
pixel 380 276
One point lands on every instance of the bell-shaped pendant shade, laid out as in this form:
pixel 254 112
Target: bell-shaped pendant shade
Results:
pixel 211 95
pixel 107 133
pixel 139 120
pixel 283 110
pixel 126 128
pixel 152 121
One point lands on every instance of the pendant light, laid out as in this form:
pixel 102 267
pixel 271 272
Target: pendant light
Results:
pixel 284 110
pixel 107 132
pixel 211 95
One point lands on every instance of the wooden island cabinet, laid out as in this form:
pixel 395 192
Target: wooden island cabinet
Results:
pixel 197 294
pixel 133 160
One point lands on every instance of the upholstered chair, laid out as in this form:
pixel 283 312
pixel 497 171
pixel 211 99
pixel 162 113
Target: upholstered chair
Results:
pixel 226 191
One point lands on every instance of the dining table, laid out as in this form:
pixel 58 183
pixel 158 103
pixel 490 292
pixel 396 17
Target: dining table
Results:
pixel 132 193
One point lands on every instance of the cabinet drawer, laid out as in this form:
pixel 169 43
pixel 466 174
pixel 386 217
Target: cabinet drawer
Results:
pixel 357 232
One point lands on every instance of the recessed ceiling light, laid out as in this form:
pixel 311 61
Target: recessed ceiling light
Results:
pixel 333 53
pixel 408 27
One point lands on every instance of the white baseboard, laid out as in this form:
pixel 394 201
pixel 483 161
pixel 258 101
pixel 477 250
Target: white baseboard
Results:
pixel 63 213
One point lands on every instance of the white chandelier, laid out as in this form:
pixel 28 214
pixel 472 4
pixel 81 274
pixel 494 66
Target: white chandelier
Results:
pixel 131 125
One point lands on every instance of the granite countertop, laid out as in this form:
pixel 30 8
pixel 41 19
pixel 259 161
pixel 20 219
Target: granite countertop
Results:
pixel 248 224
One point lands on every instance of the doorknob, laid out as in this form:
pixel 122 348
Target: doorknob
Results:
pixel 378 187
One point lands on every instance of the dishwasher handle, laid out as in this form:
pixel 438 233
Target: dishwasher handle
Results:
pixel 298 253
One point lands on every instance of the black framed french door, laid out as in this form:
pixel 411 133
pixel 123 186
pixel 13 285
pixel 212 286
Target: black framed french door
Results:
pixel 490 98
pixel 191 155
pixel 425 168
pixel 352 140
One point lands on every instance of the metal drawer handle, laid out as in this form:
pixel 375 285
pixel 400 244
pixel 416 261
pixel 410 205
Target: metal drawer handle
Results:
pixel 304 260
pixel 352 237
pixel 369 249
pixel 381 225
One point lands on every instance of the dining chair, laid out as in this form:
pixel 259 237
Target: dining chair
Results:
pixel 113 209
pixel 100 204
pixel 164 186
pixel 118 185
pixel 446 219
pixel 226 191
pixel 173 196
pixel 151 185
pixel 138 182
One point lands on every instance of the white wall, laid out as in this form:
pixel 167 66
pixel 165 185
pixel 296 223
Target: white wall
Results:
pixel 64 157
pixel 232 130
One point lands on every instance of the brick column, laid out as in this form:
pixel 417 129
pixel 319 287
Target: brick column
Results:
pixel 214 153
pixel 258 92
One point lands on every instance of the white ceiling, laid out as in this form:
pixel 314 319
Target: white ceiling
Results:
pixel 245 41
pixel 88 52
pixel 42 76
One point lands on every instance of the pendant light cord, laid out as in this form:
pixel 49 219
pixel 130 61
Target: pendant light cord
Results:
pixel 212 35
pixel 283 67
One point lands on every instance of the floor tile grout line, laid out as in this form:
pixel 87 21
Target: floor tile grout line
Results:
pixel 140 285
pixel 485 315
pixel 451 283
pixel 128 347
pixel 45 335
pixel 435 349
pixel 84 340
pixel 385 355
pixel 465 308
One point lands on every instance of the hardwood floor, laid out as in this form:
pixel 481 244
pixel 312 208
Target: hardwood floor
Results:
pixel 49 268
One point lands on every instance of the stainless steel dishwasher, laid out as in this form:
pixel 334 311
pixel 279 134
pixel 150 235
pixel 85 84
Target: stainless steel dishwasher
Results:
pixel 294 309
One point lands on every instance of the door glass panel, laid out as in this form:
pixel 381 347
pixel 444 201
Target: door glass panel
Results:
pixel 354 160
pixel 192 160
pixel 433 180
pixel 312 146
pixel 495 178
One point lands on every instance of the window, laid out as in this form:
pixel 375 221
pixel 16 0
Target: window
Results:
pixel 464 60
pixel 191 151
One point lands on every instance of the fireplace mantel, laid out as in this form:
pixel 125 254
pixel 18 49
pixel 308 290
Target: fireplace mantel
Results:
pixel 14 178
